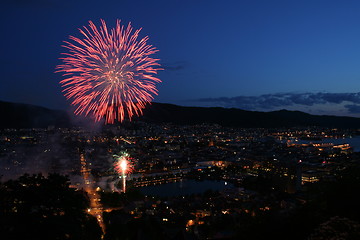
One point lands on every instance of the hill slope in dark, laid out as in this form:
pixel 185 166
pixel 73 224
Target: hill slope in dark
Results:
pixel 240 118
pixel 18 115
pixel 15 115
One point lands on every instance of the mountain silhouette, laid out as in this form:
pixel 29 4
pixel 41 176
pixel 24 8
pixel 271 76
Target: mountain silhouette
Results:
pixel 17 115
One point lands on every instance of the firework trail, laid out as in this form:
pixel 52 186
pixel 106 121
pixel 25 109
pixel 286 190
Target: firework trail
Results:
pixel 109 73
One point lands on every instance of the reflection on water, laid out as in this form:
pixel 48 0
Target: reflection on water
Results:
pixel 353 141
pixel 184 187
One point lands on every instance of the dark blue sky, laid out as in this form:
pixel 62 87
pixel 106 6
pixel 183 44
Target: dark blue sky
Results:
pixel 209 49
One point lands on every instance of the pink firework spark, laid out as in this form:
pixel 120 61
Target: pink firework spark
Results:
pixel 109 73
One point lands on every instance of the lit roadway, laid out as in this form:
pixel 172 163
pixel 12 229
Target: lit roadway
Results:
pixel 95 206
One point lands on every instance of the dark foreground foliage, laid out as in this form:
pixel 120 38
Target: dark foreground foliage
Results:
pixel 38 207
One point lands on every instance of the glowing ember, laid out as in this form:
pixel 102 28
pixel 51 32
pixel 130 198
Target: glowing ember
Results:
pixel 123 165
pixel 109 73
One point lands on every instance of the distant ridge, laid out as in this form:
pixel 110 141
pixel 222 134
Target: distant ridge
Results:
pixel 16 115
pixel 160 112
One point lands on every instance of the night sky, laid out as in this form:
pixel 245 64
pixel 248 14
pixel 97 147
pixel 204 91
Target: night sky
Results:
pixel 255 55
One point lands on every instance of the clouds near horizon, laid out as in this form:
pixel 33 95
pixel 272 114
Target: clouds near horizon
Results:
pixel 341 103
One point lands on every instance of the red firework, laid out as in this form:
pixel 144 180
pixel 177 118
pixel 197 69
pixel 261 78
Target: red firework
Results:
pixel 109 73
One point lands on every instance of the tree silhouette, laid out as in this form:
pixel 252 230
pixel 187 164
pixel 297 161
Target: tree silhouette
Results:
pixel 38 207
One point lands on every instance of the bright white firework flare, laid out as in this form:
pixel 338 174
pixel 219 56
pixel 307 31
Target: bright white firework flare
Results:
pixel 123 167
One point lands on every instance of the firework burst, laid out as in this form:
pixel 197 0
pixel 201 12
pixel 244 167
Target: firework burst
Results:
pixel 122 164
pixel 109 73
